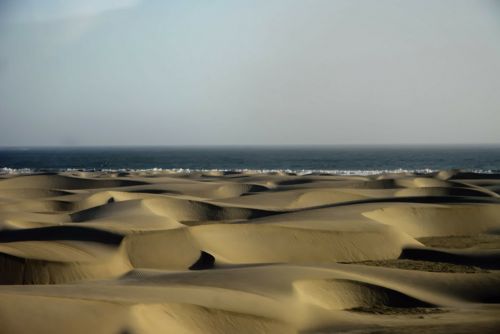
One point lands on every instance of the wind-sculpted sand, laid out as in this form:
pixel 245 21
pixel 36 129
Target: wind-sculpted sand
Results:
pixel 246 252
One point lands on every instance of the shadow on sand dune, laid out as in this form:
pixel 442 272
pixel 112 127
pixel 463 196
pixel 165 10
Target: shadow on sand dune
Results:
pixel 51 233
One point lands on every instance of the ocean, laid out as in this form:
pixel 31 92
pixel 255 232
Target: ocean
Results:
pixel 339 160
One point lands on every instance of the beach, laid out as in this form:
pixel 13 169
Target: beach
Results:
pixel 249 252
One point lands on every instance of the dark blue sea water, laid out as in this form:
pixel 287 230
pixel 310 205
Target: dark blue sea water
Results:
pixel 344 160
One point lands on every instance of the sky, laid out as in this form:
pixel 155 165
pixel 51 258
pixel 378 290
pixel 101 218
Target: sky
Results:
pixel 262 72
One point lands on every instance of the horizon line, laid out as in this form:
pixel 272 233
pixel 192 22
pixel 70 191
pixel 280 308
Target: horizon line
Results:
pixel 250 145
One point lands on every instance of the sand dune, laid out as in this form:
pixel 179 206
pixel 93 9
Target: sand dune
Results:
pixel 220 252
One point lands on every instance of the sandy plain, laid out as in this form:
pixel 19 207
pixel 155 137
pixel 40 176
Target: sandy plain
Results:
pixel 244 252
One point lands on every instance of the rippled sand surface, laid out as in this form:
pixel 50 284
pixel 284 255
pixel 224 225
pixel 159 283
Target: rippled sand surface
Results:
pixel 231 252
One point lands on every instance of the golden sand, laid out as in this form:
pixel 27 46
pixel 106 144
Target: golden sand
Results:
pixel 249 253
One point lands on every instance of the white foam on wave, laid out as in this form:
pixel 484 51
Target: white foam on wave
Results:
pixel 156 170
pixel 7 170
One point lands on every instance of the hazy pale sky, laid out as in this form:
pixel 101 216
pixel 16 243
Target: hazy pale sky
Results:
pixel 110 72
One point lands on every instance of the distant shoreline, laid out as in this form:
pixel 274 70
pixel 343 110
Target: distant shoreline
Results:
pixel 24 171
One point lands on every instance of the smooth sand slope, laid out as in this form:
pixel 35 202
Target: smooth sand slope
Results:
pixel 249 253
